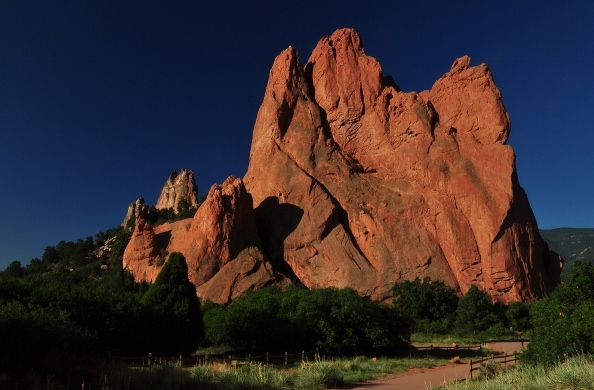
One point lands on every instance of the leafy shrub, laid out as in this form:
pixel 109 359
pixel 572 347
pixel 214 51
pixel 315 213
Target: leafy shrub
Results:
pixel 564 323
pixel 476 312
pixel 517 315
pixel 323 375
pixel 497 331
pixel 431 304
pixel 178 319
pixel 45 343
pixel 336 321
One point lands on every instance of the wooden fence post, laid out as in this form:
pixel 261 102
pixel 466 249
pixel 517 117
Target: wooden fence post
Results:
pixel 150 360
pixel 286 358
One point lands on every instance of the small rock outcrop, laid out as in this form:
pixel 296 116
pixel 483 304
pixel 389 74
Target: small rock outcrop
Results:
pixel 135 209
pixel 221 246
pixel 179 187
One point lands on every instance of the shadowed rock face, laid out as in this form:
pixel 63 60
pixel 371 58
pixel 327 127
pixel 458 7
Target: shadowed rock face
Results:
pixel 354 183
pixel 391 185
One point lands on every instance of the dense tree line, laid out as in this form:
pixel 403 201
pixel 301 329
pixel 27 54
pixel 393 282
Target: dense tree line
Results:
pixel 76 302
pixel 62 315
pixel 433 307
pixel 338 322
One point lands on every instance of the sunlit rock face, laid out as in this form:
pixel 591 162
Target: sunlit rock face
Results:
pixel 178 188
pixel 221 246
pixel 354 183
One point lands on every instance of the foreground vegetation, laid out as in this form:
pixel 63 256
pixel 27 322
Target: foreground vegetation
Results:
pixel 574 373
pixel 307 375
pixel 77 303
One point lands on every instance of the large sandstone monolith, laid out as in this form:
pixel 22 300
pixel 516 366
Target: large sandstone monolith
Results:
pixel 356 183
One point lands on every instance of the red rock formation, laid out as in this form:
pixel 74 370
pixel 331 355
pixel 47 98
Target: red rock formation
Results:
pixel 142 249
pixel 220 244
pixel 178 187
pixel 358 184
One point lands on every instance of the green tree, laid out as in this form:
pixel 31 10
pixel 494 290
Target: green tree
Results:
pixel 431 304
pixel 517 315
pixel 38 341
pixel 563 325
pixel 475 312
pixel 173 299
pixel 343 322
pixel 336 321
pixel 184 210
pixel 14 270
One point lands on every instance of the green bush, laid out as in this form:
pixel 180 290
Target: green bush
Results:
pixel 517 315
pixel 476 312
pixel 41 343
pixel 563 325
pixel 430 304
pixel 335 321
pixel 322 375
pixel 177 321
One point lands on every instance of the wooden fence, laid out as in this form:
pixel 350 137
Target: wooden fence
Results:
pixel 473 348
pixel 505 359
pixel 232 360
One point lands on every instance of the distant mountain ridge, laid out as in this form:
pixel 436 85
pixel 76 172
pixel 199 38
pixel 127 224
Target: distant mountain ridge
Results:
pixel 571 243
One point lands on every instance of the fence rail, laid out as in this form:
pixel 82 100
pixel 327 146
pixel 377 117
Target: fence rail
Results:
pixel 477 364
pixel 232 360
pixel 474 348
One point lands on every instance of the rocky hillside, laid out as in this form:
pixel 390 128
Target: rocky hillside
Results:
pixel 571 243
pixel 353 182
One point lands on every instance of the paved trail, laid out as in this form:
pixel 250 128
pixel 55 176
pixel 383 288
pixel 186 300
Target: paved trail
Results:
pixel 435 377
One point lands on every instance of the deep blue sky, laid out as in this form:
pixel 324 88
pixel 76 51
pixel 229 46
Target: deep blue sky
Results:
pixel 100 101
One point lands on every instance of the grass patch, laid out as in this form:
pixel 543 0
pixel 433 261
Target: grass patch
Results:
pixel 361 368
pixel 574 373
pixel 442 339
pixel 448 339
pixel 304 376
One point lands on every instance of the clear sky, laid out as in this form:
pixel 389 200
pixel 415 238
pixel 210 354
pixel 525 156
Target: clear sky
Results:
pixel 101 100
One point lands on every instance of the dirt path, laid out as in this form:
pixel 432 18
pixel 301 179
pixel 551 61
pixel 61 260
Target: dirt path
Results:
pixel 421 379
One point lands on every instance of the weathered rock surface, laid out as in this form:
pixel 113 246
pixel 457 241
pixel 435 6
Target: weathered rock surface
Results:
pixel 142 248
pixel 220 244
pixel 352 182
pixel 359 184
pixel 134 210
pixel 178 187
